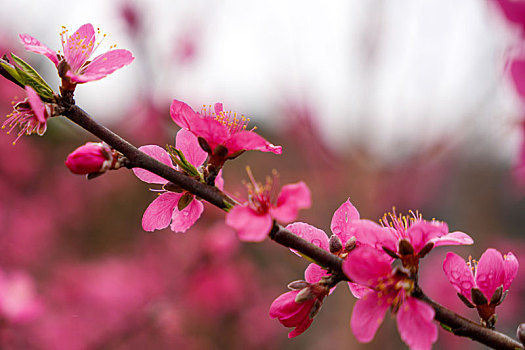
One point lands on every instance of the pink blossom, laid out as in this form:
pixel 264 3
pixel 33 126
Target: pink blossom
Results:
pixel 345 224
pixel 30 115
pixel 93 157
pixel 75 63
pixel 165 208
pixel 514 12
pixel 253 220
pixel 297 309
pixel 387 288
pixel 220 128
pixel 18 300
pixel 483 283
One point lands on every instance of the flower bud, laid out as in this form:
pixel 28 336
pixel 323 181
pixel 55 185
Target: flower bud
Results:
pixel 335 244
pixel 90 158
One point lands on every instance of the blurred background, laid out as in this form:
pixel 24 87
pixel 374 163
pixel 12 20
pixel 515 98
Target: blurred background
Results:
pixel 417 105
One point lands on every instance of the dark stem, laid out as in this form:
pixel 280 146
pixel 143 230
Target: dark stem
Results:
pixel 459 325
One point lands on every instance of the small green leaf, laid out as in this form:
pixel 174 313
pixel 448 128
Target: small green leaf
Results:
pixel 178 157
pixel 11 70
pixel 29 76
pixel 447 328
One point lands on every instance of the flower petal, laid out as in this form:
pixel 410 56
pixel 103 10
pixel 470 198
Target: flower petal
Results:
pixel 490 273
pixel 303 326
pixel 314 273
pixel 182 220
pixel 371 234
pixel 341 221
pixel 284 305
pixel 358 290
pixel 248 140
pixel 33 45
pixel 510 265
pixel 291 198
pixel 101 66
pixel 250 226
pixel 187 143
pixel 309 233
pixel 79 46
pixel 182 114
pixel 159 154
pixel 453 238
pixel 364 265
pixel 421 232
pixel 158 214
pixel 415 324
pixel 459 274
pixel 36 104
pixel 368 313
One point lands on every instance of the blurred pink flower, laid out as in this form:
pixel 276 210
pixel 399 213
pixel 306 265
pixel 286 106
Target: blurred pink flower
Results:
pixel 253 219
pixel 30 115
pixel 93 157
pixel 514 12
pixel 482 283
pixel 77 50
pixel 387 288
pixel 165 208
pixel 18 300
pixel 219 128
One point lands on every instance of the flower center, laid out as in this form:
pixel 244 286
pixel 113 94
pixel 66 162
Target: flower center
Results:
pixel 400 223
pixel 25 118
pixel 229 119
pixel 262 197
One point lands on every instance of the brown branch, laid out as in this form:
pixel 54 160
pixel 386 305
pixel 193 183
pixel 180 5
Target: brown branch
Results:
pixel 459 325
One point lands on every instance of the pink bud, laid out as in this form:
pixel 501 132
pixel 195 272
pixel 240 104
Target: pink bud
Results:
pixel 90 158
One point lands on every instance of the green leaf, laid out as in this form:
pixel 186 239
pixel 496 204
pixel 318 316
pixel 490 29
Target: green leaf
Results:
pixel 447 328
pixel 29 76
pixel 179 158
pixel 11 70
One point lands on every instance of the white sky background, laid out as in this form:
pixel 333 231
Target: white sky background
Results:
pixel 392 73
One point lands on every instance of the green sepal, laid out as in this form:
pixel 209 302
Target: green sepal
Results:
pixel 178 157
pixel 27 75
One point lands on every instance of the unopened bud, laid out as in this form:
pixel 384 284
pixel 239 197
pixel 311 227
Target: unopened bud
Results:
pixel 304 295
pixel 350 244
pixel 90 158
pixel 297 285
pixel 520 333
pixel 335 244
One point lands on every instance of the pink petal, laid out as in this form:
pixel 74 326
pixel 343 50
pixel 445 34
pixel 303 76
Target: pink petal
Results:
pixel 368 313
pixel 422 232
pixel 342 220
pixel 284 305
pixel 188 144
pixel 358 290
pixel 371 234
pixel 158 214
pixel 248 140
pixel 182 114
pixel 510 265
pixel 250 226
pixel 517 71
pixel 453 238
pixel 307 321
pixel 33 45
pixel 291 198
pixel 364 265
pixel 219 181
pixel 490 273
pixel 459 274
pixel 36 104
pixel 159 154
pixel 101 66
pixel 182 220
pixel 415 324
pixel 314 273
pixel 79 46
pixel 309 233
